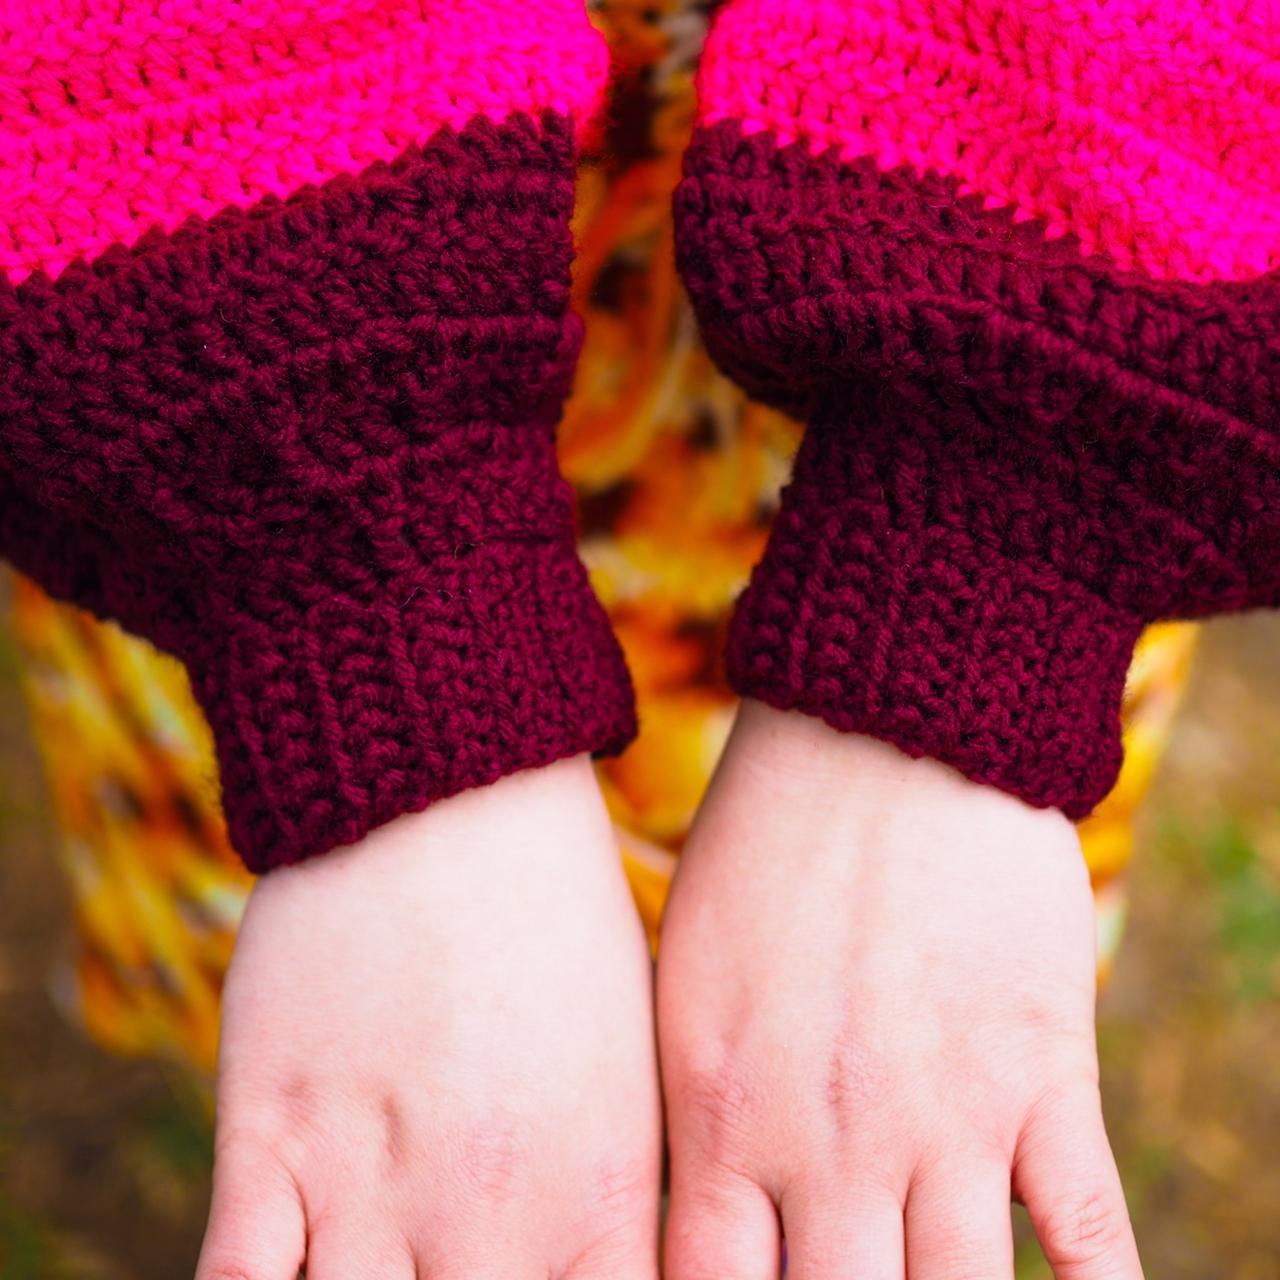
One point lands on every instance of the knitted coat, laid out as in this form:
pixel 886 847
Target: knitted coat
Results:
pixel 287 331
pixel 284 332
pixel 1016 263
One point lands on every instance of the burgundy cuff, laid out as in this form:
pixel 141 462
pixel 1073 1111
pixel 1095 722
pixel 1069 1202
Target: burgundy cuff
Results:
pixel 333 719
pixel 929 637
pixel 330 719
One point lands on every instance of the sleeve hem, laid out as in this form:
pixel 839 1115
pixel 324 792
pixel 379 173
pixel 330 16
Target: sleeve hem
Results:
pixel 929 640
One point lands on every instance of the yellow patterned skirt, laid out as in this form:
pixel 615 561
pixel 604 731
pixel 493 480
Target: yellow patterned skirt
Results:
pixel 678 477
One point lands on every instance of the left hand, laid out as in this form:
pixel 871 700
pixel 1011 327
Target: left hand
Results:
pixel 437 1053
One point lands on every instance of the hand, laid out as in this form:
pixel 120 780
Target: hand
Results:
pixel 437 1054
pixel 876 1015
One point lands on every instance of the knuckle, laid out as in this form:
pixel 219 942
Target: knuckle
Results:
pixel 277 1128
pixel 236 1145
pixel 490 1156
pixel 621 1186
pixel 1082 1230
pixel 396 1126
pixel 958 1256
pixel 244 1158
pixel 1057 1106
pixel 691 1252
pixel 232 1269
pixel 620 1196
pixel 856 1081
pixel 695 1268
pixel 720 1109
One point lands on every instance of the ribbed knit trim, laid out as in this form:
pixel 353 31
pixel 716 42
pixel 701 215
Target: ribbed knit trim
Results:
pixel 923 637
pixel 335 720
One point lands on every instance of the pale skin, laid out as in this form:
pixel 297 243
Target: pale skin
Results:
pixel 876 1013
pixel 437 1054
pixel 875 1007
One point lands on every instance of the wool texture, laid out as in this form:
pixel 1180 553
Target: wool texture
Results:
pixel 305 442
pixel 119 117
pixel 1016 265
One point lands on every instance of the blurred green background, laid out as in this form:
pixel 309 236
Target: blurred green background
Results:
pixel 103 1162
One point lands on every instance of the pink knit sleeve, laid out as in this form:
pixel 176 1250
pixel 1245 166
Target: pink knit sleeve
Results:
pixel 1019 266
pixel 285 332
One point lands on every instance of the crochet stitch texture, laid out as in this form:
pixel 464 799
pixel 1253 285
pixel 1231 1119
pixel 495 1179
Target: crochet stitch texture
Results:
pixel 1037 339
pixel 118 117
pixel 306 443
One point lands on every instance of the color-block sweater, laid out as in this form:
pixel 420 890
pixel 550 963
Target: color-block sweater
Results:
pixel 1018 264
pixel 284 334
pixel 284 338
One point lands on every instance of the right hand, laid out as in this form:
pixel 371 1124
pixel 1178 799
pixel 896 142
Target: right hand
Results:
pixel 437 1054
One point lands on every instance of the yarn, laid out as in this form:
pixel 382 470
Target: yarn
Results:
pixel 305 442
pixel 118 117
pixel 1145 128
pixel 1020 450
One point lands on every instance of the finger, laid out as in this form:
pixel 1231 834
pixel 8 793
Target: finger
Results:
pixel 628 1253
pixel 354 1248
pixel 1066 1176
pixel 958 1222
pixel 257 1224
pixel 481 1241
pixel 843 1233
pixel 492 1264
pixel 603 1270
pixel 721 1226
pixel 606 1265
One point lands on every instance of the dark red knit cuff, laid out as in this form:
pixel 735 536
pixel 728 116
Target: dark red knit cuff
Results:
pixel 309 448
pixel 333 720
pixel 933 638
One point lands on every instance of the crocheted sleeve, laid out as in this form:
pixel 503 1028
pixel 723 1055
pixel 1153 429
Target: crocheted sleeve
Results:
pixel 285 332
pixel 1016 263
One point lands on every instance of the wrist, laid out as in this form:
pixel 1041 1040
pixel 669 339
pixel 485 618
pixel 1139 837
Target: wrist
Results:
pixel 854 814
pixel 486 853
pixel 796 761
